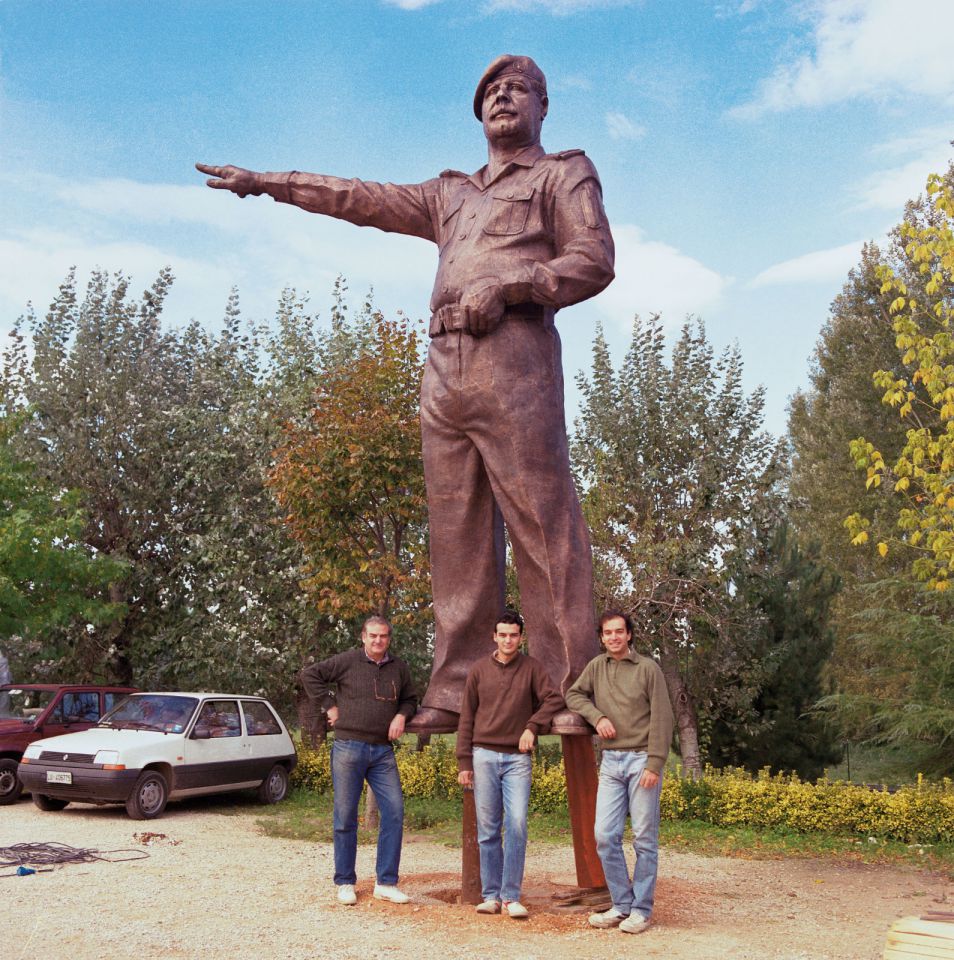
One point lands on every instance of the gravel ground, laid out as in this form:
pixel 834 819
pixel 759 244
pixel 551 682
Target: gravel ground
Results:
pixel 214 885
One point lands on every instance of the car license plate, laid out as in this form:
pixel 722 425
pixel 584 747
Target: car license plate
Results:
pixel 57 776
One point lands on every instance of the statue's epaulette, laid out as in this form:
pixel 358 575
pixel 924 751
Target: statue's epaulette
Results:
pixel 451 173
pixel 565 154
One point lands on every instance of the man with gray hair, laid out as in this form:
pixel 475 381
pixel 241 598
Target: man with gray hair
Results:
pixel 518 240
pixel 368 696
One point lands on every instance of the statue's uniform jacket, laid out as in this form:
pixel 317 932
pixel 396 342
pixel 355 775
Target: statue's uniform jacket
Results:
pixel 492 419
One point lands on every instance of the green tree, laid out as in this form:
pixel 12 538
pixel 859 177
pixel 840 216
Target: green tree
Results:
pixel 350 478
pixel 784 594
pixel 907 698
pixel 921 476
pixel 102 380
pixel 169 436
pixel 236 613
pixel 676 472
pixel 48 577
pixel 840 402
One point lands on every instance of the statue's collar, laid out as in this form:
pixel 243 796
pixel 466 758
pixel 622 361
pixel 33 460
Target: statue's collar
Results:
pixel 526 158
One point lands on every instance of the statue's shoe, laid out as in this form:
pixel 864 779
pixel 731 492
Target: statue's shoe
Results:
pixel 432 720
pixel 568 723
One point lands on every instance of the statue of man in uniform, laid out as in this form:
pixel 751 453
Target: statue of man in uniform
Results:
pixel 522 237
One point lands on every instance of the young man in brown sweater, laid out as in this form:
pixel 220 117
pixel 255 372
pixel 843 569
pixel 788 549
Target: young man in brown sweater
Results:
pixel 623 695
pixel 508 699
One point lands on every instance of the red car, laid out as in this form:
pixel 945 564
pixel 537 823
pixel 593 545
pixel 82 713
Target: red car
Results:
pixel 31 711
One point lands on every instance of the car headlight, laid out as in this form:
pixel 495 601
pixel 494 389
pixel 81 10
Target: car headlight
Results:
pixel 32 752
pixel 108 759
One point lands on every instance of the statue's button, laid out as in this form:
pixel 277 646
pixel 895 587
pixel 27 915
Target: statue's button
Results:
pixel 510 195
pixel 462 236
pixel 470 216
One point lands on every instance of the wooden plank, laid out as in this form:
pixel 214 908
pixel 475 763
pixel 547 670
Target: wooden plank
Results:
pixel 938 929
pixel 915 937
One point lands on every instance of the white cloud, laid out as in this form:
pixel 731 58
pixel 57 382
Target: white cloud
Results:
pixel 620 127
pixel 821 266
pixel 558 8
pixel 36 263
pixel 653 277
pixel 737 8
pixel 213 241
pixel 573 82
pixel 923 152
pixel 411 4
pixel 865 48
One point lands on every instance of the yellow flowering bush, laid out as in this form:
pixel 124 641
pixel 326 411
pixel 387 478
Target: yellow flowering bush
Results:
pixel 548 786
pixel 313 770
pixel 432 774
pixel 920 812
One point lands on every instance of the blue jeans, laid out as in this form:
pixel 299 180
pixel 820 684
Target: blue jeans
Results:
pixel 501 796
pixel 353 762
pixel 619 793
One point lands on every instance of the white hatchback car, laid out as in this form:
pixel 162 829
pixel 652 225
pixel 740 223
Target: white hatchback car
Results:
pixel 155 747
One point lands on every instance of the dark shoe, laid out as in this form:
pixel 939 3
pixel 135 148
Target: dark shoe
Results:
pixel 566 722
pixel 432 720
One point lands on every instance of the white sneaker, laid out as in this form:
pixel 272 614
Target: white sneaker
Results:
pixel 517 911
pixel 390 893
pixel 488 906
pixel 346 894
pixel 635 923
pixel 607 919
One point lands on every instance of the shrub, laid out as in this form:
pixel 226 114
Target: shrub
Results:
pixel 921 812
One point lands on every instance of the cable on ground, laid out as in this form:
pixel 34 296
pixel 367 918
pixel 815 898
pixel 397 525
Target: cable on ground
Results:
pixel 45 856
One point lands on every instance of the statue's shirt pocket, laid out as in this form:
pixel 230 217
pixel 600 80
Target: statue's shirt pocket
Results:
pixel 509 212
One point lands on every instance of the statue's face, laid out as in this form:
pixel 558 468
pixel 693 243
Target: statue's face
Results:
pixel 513 111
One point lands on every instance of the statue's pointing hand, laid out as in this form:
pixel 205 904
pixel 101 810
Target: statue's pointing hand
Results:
pixel 240 181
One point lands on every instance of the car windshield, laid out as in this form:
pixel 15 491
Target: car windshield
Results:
pixel 151 711
pixel 21 703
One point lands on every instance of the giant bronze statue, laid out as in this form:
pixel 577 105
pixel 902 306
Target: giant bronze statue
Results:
pixel 522 237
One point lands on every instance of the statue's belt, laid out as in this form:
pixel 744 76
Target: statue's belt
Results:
pixel 447 319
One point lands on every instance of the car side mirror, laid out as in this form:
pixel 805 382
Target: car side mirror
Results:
pixel 201 732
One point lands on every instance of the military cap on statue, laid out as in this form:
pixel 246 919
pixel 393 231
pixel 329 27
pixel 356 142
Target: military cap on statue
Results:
pixel 506 64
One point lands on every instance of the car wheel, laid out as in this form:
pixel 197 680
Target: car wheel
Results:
pixel 274 787
pixel 49 803
pixel 149 796
pixel 10 785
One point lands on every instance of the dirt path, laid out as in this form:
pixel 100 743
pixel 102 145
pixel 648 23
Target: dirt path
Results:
pixel 215 886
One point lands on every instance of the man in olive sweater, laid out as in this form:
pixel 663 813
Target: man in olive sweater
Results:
pixel 623 695
pixel 508 699
pixel 373 697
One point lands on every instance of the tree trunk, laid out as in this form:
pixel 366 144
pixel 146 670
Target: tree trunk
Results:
pixel 423 740
pixel 119 663
pixel 312 722
pixel 372 816
pixel 687 721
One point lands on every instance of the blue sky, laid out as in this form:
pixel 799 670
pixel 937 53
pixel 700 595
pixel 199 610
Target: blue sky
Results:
pixel 747 148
